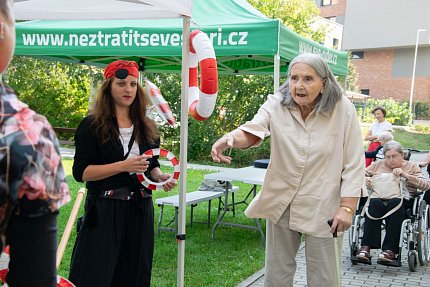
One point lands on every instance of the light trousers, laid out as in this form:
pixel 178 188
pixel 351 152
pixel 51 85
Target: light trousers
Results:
pixel 282 245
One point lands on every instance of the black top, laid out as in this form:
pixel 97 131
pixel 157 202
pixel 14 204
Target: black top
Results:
pixel 90 151
pixel 373 153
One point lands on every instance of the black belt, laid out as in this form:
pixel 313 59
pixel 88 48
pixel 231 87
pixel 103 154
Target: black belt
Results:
pixel 124 193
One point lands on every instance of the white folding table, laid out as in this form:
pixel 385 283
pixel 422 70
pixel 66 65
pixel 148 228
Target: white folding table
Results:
pixel 192 199
pixel 249 175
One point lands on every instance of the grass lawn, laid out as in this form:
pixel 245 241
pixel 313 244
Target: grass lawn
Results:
pixel 412 139
pixel 234 255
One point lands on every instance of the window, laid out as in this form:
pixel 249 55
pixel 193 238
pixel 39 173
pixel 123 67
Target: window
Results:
pixel 358 55
pixel 365 91
pixel 328 2
pixel 335 43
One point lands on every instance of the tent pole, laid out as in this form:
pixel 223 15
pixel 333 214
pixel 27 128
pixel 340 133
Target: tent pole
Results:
pixel 183 147
pixel 276 72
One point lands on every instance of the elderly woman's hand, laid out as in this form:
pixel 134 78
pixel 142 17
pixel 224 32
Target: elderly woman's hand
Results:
pixel 220 146
pixel 399 172
pixel 342 220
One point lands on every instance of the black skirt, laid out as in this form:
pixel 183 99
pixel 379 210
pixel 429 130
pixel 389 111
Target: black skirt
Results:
pixel 118 249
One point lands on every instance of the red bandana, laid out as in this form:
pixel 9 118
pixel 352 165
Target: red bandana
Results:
pixel 124 68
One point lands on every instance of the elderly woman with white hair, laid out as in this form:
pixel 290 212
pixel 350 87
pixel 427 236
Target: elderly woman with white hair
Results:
pixel 378 153
pixel 315 171
pixel 393 163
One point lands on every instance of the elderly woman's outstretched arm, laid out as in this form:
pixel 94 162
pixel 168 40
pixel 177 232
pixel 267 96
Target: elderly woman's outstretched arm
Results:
pixel 234 139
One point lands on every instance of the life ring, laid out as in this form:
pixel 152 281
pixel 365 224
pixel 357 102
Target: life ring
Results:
pixel 61 281
pixel 159 102
pixel 146 182
pixel 201 102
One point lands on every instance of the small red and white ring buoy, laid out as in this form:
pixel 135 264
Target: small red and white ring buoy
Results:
pixel 63 282
pixel 159 102
pixel 146 182
pixel 201 102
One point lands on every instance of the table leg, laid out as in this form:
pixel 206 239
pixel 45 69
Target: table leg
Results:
pixel 252 191
pixel 257 226
pixel 209 213
pixel 222 214
pixel 262 236
pixel 192 212
pixel 160 218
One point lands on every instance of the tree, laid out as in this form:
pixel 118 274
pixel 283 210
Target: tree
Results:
pixel 352 77
pixel 298 15
pixel 56 90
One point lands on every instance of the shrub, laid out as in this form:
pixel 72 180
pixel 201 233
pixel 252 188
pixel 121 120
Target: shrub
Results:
pixel 397 113
pixel 422 111
pixel 422 129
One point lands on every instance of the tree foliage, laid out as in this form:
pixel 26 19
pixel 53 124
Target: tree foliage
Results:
pixel 298 15
pixel 57 90
pixel 352 77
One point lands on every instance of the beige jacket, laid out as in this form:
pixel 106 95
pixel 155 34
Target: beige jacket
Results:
pixel 312 164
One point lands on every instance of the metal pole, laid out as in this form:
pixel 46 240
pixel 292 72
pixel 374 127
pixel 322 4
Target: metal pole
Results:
pixel 413 69
pixel 276 73
pixel 183 148
pixel 337 255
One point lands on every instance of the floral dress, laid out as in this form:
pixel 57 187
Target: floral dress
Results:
pixel 30 163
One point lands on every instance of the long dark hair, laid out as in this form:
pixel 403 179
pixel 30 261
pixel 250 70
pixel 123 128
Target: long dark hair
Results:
pixel 104 113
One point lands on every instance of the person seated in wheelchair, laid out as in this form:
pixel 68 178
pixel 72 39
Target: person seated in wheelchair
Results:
pixel 389 201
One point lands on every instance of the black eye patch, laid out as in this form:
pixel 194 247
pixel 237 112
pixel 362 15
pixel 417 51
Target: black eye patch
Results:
pixel 121 74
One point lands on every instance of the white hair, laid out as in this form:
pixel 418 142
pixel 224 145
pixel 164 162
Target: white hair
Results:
pixel 385 136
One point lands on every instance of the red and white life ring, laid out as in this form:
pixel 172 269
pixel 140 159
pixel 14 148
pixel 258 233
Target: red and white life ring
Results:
pixel 159 102
pixel 174 176
pixel 201 102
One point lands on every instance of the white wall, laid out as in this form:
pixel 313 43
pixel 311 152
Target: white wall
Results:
pixel 334 30
pixel 371 24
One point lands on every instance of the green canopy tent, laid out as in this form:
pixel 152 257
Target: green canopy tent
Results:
pixel 245 41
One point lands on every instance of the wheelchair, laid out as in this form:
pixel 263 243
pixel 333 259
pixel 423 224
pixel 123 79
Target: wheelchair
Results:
pixel 414 236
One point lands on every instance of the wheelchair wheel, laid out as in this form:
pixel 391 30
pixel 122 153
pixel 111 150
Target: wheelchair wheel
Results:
pixel 355 233
pixel 421 233
pixel 412 260
pixel 426 231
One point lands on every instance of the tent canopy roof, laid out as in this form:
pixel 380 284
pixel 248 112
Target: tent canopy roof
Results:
pixel 245 41
pixel 100 9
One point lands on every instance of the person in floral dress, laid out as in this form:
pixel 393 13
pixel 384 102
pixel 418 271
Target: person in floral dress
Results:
pixel 32 180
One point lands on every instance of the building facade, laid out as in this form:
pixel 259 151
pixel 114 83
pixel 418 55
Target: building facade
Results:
pixel 382 38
